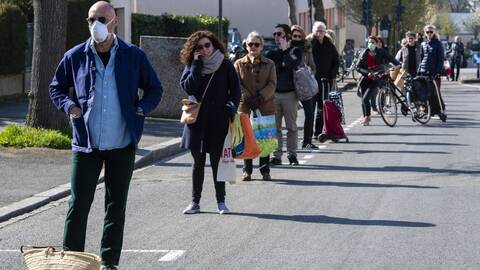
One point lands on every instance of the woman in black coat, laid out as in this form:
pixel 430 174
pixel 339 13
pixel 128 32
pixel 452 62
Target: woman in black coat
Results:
pixel 206 67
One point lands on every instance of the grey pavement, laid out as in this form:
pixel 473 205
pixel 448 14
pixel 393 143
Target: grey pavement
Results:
pixel 30 172
pixel 406 197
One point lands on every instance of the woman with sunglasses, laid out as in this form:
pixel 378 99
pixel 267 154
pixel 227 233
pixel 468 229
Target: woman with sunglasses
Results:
pixel 299 41
pixel 211 79
pixel 432 65
pixel 258 81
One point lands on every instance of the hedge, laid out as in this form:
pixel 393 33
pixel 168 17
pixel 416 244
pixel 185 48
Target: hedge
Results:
pixel 13 39
pixel 172 25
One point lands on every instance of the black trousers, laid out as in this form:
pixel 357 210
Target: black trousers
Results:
pixel 436 100
pixel 198 175
pixel 369 90
pixel 455 64
pixel 323 89
pixel 309 111
pixel 264 165
pixel 86 168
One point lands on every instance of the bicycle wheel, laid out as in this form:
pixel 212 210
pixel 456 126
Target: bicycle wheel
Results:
pixel 387 106
pixel 422 112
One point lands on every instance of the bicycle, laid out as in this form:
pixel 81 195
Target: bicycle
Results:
pixel 343 71
pixel 390 98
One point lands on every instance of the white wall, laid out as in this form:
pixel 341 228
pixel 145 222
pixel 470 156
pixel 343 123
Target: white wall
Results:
pixel 246 15
pixel 126 19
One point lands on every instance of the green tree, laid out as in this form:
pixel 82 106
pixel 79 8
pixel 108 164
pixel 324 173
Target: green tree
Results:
pixel 48 48
pixel 25 5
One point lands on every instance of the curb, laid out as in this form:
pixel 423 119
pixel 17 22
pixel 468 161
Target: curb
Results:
pixel 153 153
pixel 470 81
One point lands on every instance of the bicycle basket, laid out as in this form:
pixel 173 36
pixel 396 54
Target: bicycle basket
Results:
pixel 49 258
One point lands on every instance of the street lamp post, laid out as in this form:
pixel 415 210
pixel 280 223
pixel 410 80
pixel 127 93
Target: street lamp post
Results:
pixel 399 11
pixel 220 22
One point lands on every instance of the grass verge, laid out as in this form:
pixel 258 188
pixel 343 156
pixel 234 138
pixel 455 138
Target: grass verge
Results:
pixel 22 136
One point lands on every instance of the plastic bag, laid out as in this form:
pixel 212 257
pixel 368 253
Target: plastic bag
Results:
pixel 247 147
pixel 265 133
pixel 226 164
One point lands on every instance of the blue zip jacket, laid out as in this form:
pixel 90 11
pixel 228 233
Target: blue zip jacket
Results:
pixel 132 71
pixel 432 58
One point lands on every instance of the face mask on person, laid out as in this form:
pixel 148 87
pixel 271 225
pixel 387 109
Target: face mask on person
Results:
pixel 99 31
pixel 371 46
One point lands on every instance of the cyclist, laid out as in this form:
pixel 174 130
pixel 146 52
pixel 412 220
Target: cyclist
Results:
pixel 371 59
pixel 432 65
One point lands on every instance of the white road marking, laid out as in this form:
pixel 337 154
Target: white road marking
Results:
pixel 10 250
pixel 302 162
pixel 172 255
pixel 308 156
pixel 473 86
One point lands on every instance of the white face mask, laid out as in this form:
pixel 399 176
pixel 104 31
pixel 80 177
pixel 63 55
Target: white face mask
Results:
pixel 371 46
pixel 99 31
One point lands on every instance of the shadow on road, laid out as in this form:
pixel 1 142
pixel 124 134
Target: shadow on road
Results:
pixel 408 143
pixel 400 134
pixel 322 219
pixel 346 184
pixel 406 169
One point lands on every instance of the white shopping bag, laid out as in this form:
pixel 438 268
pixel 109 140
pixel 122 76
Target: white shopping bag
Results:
pixel 226 164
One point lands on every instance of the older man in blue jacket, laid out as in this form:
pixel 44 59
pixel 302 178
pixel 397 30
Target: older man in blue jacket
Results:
pixel 107 117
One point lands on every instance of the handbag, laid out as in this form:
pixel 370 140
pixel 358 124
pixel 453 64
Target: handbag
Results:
pixel 191 108
pixel 306 86
pixel 48 258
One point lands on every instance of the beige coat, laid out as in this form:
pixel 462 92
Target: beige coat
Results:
pixel 258 79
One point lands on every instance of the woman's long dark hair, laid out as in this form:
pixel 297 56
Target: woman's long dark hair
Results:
pixel 186 54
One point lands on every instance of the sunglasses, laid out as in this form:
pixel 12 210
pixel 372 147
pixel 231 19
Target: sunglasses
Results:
pixel 256 44
pixel 206 46
pixel 429 32
pixel 297 36
pixel 277 34
pixel 91 20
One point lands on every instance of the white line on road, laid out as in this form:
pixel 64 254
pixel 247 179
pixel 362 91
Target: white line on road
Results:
pixel 301 162
pixel 9 250
pixel 172 255
pixel 308 156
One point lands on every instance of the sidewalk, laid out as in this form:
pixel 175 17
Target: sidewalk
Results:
pixel 33 177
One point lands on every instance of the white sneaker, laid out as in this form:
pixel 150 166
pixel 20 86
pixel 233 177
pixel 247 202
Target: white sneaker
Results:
pixel 109 267
pixel 222 208
pixel 192 208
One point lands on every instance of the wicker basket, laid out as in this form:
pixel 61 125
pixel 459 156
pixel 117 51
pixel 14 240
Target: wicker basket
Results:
pixel 50 258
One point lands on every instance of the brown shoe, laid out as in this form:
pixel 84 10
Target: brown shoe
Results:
pixel 246 177
pixel 266 177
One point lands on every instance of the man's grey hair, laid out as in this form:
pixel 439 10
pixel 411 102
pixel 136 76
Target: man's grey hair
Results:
pixel 410 34
pixel 317 24
pixel 254 35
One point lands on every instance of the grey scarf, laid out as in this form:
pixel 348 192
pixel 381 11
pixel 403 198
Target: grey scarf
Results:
pixel 212 63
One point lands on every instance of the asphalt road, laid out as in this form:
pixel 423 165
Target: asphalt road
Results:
pixel 393 198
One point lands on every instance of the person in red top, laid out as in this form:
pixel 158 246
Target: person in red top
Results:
pixel 370 60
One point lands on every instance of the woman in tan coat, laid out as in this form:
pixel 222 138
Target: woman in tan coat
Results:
pixel 258 81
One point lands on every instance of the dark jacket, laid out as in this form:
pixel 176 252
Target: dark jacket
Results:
pixel 404 58
pixel 208 133
pixel 259 79
pixel 456 51
pixel 381 57
pixel 285 63
pixel 132 71
pixel 432 58
pixel 325 57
